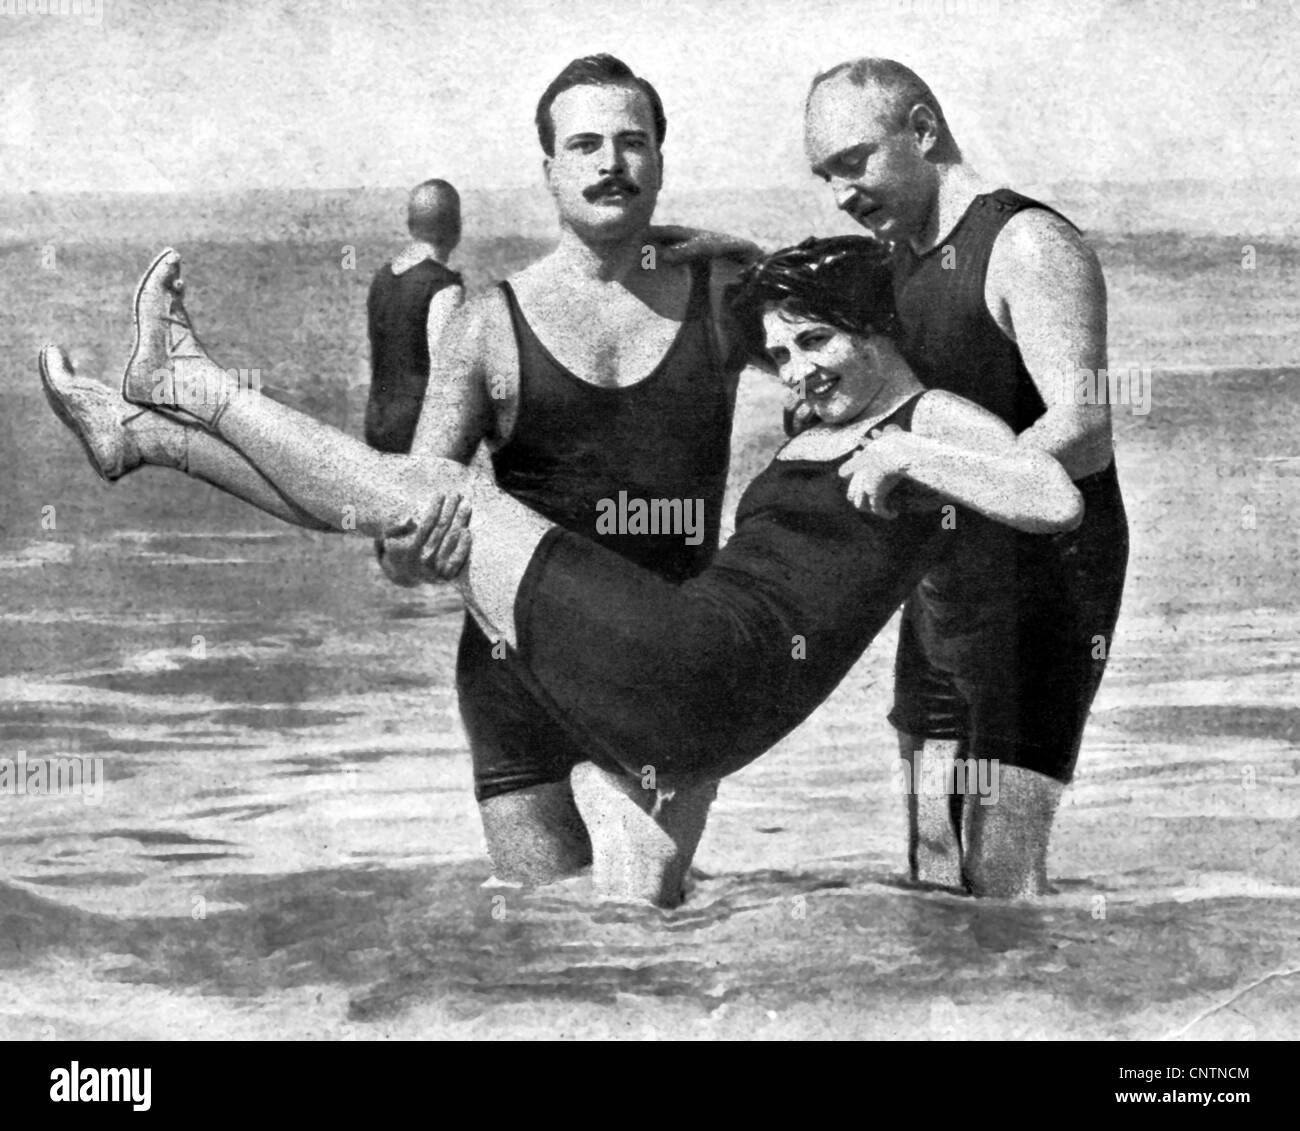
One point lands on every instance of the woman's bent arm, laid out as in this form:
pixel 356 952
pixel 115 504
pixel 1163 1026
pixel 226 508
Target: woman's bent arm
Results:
pixel 969 456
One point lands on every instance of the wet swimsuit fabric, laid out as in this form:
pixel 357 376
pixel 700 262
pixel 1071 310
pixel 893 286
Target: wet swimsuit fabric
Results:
pixel 668 436
pixel 1005 646
pixel 702 677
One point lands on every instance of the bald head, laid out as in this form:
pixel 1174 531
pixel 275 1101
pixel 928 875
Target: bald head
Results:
pixel 875 133
pixel 433 214
pixel 895 92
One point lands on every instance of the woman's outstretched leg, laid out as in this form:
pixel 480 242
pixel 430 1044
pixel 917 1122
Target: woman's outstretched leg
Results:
pixel 323 471
pixel 198 420
pixel 118 438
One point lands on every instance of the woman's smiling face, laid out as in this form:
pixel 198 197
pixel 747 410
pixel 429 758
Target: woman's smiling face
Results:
pixel 832 369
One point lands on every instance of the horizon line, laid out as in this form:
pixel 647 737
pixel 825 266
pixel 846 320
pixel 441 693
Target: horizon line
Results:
pixel 1217 184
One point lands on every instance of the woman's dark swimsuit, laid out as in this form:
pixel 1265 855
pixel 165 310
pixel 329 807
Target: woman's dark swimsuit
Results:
pixel 702 677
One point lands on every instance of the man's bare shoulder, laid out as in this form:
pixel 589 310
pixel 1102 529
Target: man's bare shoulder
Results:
pixel 1042 263
pixel 1035 239
pixel 481 314
pixel 477 345
pixel 541 274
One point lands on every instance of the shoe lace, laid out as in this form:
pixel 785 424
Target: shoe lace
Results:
pixel 184 324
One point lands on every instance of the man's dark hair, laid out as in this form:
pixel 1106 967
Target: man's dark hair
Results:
pixel 843 281
pixel 595 70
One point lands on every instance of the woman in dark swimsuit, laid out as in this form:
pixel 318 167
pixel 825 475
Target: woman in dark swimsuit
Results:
pixel 693 680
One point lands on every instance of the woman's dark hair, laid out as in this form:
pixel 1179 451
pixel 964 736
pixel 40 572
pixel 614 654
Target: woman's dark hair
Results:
pixel 844 281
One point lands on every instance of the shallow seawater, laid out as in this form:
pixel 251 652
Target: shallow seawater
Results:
pixel 283 841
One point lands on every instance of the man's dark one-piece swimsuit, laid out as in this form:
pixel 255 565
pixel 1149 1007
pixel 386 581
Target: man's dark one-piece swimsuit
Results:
pixel 574 444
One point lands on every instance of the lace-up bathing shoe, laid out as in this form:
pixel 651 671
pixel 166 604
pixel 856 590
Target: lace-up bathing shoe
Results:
pixel 164 338
pixel 96 415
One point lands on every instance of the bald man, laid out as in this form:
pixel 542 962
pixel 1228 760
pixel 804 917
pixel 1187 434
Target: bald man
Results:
pixel 1000 652
pixel 411 300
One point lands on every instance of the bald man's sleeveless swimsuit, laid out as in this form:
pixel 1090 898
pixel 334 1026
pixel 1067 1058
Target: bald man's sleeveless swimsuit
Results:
pixel 573 446
pixel 701 677
pixel 1005 646
pixel 397 313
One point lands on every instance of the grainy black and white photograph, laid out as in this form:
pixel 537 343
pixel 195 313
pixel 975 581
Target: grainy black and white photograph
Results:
pixel 563 520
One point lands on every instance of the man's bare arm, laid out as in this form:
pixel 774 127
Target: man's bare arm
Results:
pixel 455 417
pixel 472 396
pixel 685 245
pixel 721 276
pixel 441 309
pixel 958 451
pixel 1046 290
pixel 457 412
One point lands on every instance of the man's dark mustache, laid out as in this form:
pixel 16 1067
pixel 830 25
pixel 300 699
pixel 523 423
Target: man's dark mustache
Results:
pixel 609 185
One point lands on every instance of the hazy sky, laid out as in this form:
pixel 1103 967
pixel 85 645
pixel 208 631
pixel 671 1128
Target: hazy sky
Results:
pixel 188 94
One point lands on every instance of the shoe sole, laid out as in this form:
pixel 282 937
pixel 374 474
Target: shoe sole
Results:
pixel 135 314
pixel 60 408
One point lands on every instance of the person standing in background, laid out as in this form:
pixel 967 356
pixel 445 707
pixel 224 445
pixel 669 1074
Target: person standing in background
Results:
pixel 411 300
